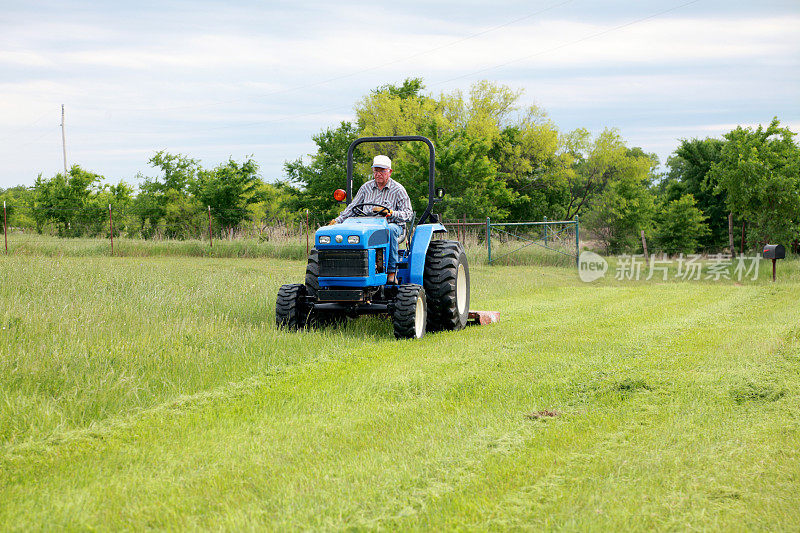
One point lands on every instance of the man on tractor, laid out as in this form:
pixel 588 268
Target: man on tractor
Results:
pixel 391 201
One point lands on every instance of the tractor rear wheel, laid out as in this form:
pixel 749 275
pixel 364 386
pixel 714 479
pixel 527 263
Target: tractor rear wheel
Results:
pixel 446 281
pixel 290 312
pixel 410 313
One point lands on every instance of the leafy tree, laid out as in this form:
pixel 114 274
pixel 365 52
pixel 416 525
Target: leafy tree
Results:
pixel 689 174
pixel 166 201
pixel 391 110
pixel 680 226
pixel 18 199
pixel 411 88
pixel 612 182
pixel 530 158
pixel 759 171
pixel 599 162
pixel 624 208
pixel 312 184
pixel 65 201
pixel 463 168
pixel 120 198
pixel 483 135
pixel 229 189
pixel 275 202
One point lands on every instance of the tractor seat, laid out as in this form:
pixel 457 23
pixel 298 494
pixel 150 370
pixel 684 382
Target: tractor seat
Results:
pixel 403 234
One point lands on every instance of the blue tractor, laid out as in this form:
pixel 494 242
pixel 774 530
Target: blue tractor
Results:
pixel 346 272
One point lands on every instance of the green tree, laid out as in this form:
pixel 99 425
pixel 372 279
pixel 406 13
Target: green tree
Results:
pixel 229 189
pixel 599 162
pixel 624 208
pixel 393 110
pixel 759 172
pixel 165 203
pixel 463 168
pixel 18 201
pixel 531 159
pixel 680 225
pixel 66 201
pixel 689 174
pixel 612 182
pixel 411 88
pixel 276 203
pixel 120 198
pixel 494 156
pixel 487 149
pixel 312 184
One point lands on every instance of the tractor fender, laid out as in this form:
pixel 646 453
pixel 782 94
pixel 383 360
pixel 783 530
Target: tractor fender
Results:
pixel 423 234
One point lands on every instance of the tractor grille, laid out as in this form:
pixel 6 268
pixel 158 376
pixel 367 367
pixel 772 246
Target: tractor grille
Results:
pixel 342 263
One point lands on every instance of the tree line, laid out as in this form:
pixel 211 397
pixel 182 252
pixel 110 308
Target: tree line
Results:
pixel 171 205
pixel 495 158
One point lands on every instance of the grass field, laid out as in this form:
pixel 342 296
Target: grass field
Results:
pixel 155 392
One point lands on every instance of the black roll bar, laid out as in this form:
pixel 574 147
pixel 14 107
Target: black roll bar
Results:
pixel 431 166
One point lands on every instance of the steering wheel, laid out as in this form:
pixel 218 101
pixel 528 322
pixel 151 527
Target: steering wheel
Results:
pixel 358 209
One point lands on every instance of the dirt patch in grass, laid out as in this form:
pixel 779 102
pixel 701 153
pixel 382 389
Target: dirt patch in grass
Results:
pixel 546 413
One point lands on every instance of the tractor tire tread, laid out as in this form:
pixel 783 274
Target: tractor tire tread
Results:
pixel 440 278
pixel 405 311
pixel 312 273
pixel 289 312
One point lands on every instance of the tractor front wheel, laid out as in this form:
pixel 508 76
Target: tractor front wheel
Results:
pixel 290 312
pixel 410 314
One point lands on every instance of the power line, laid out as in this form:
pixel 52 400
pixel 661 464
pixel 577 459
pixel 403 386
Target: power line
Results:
pixel 479 71
pixel 18 130
pixel 369 69
pixel 565 45
pixel 439 83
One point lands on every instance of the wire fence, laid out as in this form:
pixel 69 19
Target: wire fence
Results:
pixel 52 229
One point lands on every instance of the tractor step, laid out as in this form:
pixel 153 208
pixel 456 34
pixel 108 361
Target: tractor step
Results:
pixel 340 295
pixel 481 318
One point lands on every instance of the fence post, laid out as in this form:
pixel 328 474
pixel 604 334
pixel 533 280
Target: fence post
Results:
pixel 307 232
pixel 730 233
pixel 545 231
pixel 489 239
pixel 111 227
pixel 577 242
pixel 743 238
pixel 210 239
pixel 5 225
pixel 644 249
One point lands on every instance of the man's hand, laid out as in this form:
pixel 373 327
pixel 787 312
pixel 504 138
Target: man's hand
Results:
pixel 332 222
pixel 382 211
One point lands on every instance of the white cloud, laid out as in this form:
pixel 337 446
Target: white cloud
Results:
pixel 238 77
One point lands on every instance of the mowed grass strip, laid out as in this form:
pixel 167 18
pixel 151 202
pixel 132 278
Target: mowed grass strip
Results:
pixel 625 406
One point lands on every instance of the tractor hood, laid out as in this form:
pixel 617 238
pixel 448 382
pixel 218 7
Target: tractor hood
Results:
pixel 354 233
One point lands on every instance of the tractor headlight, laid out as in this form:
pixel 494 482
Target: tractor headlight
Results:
pixel 324 239
pixel 353 239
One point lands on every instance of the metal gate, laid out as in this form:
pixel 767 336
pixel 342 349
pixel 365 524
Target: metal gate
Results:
pixel 560 236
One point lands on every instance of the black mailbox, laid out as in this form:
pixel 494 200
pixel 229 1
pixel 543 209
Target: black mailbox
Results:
pixel 774 251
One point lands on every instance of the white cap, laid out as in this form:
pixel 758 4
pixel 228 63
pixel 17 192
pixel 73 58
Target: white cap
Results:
pixel 381 161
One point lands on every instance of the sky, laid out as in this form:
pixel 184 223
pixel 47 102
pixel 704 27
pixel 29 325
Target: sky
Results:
pixel 214 80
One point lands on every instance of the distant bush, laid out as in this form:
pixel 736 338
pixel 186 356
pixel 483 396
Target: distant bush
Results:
pixel 680 226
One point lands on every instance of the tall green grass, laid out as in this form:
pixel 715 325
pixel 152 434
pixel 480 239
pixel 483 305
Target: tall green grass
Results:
pixel 35 245
pixel 282 247
pixel 155 392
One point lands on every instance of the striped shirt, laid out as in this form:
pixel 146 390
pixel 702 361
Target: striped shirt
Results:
pixel 393 196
